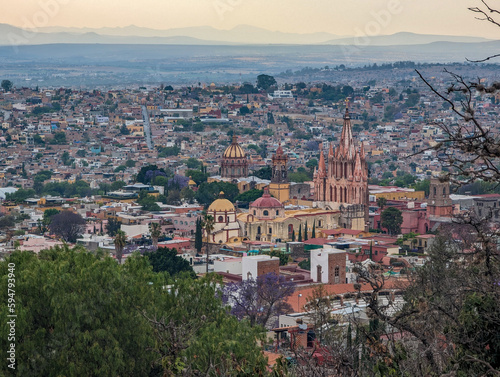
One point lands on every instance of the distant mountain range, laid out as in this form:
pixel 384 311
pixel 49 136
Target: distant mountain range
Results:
pixel 404 38
pixel 206 35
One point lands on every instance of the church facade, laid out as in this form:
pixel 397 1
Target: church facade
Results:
pixel 343 182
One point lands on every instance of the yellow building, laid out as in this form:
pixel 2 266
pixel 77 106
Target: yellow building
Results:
pixel 396 193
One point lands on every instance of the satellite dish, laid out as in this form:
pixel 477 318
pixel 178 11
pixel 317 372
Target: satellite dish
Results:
pixel 303 326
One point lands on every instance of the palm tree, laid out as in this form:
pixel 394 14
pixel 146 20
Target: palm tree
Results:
pixel 155 230
pixel 120 242
pixel 208 225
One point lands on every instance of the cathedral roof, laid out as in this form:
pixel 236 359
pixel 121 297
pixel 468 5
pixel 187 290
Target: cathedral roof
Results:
pixel 321 165
pixel 234 150
pixel 221 205
pixel 346 147
pixel 266 201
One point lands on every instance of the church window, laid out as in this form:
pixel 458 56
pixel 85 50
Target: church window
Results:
pixel 221 219
pixel 435 191
pixel 290 228
pixel 444 191
pixel 277 212
pixel 266 213
pixel 258 230
pixel 270 230
pixel 254 212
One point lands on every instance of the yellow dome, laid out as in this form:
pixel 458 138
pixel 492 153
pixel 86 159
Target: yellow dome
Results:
pixel 234 150
pixel 221 205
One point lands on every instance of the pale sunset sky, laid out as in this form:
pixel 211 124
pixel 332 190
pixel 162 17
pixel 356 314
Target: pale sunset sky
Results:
pixel 341 17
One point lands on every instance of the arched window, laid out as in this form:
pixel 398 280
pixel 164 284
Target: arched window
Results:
pixel 335 194
pixel 221 219
pixel 254 212
pixel 435 191
pixel 266 213
pixel 444 191
pixel 290 228
pixel 258 230
pixel 277 212
pixel 270 230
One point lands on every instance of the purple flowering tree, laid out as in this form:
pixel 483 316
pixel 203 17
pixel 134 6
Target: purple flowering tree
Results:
pixel 178 182
pixel 259 300
pixel 152 174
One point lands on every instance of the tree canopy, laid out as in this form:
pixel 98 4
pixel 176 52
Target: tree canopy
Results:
pixel 81 314
pixel 392 219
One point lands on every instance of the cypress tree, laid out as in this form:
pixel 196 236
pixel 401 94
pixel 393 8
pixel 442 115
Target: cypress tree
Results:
pixel 305 232
pixel 313 234
pixel 198 240
pixel 293 236
pixel 300 233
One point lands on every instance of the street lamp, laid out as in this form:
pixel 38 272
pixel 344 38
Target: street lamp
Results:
pixel 298 301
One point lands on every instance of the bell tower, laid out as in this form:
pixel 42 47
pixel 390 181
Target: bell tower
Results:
pixel 280 187
pixel 439 203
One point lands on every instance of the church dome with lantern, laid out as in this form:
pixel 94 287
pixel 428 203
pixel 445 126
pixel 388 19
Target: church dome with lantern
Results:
pixel 267 207
pixel 221 205
pixel 234 162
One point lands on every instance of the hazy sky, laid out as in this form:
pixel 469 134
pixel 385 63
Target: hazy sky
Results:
pixel 343 17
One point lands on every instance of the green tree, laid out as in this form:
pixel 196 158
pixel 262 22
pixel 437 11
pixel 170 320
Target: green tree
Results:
pixel 167 260
pixel 66 159
pixel 305 232
pixel 77 314
pixel 249 196
pixel 208 192
pixel 155 231
pixel 198 236
pixel 264 173
pixel 48 214
pixel 193 163
pixel 423 185
pixel 208 226
pixel 265 81
pixel 392 218
pixel 113 225
pixel 300 233
pixel 381 202
pixel 7 85
pixel 197 176
pixel 313 234
pixel 117 185
pixel 120 241
pixel 59 138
